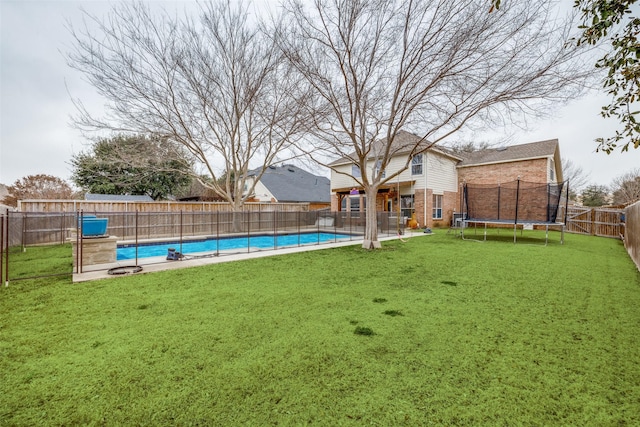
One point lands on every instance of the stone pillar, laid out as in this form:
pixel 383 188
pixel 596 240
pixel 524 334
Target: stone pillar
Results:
pixel 99 250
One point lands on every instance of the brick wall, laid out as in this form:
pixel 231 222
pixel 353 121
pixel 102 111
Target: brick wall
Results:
pixel 419 201
pixel 525 201
pixel 528 170
pixel 450 202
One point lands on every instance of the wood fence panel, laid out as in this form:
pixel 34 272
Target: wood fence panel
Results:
pixel 608 223
pixel 594 221
pixel 93 207
pixel 578 220
pixel 632 234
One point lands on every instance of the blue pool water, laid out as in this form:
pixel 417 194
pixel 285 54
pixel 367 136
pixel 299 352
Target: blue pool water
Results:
pixel 146 250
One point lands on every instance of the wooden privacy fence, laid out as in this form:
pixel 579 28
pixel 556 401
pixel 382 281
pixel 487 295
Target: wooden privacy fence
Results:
pixel 632 236
pixel 90 206
pixel 594 221
pixel 29 228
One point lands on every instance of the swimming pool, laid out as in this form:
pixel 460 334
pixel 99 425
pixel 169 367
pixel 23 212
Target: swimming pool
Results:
pixel 212 245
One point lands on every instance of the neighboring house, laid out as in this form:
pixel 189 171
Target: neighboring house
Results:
pixel 117 198
pixel 291 184
pixel 429 189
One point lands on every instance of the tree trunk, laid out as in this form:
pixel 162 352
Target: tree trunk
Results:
pixel 371 225
pixel 237 216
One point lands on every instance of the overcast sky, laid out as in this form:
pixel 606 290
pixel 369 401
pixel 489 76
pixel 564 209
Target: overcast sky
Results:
pixel 36 83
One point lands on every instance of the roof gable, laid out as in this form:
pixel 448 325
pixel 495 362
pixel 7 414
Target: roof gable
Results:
pixel 403 143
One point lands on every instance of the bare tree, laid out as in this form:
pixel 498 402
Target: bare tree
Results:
pixel 214 86
pixel 432 67
pixel 626 187
pixel 38 186
pixel 576 176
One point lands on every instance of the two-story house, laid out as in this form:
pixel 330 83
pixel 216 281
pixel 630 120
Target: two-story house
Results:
pixel 429 190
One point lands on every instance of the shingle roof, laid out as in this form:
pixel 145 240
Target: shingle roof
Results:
pixel 404 142
pixel 531 150
pixel 117 198
pixel 289 183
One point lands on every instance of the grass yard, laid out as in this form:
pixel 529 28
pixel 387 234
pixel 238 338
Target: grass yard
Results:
pixel 434 331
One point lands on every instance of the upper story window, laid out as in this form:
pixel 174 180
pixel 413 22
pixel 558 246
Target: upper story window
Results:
pixel 378 167
pixel 552 172
pixel 416 165
pixel 355 171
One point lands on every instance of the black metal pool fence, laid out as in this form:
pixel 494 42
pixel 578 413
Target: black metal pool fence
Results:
pixel 21 230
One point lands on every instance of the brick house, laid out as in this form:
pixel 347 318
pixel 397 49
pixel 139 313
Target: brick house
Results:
pixel 429 190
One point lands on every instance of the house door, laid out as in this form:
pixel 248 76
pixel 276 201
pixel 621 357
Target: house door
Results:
pixel 407 206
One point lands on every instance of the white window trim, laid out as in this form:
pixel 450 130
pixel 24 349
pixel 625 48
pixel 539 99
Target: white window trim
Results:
pixel 421 164
pixel 437 207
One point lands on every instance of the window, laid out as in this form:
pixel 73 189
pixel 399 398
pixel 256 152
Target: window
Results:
pixel 552 175
pixel 355 171
pixel 437 206
pixel 406 206
pixel 354 203
pixel 416 165
pixel 378 167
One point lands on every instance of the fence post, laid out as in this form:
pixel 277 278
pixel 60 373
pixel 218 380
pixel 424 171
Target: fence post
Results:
pixel 218 233
pixel 79 242
pixel 275 228
pixel 593 221
pixel 63 218
pixel 2 248
pixel 6 253
pixel 248 215
pixel 136 236
pixel 24 230
pixel 181 231
pixel 298 220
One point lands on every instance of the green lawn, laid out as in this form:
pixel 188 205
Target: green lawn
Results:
pixel 450 333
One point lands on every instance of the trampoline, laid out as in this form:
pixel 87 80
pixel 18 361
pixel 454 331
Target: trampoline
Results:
pixel 517 203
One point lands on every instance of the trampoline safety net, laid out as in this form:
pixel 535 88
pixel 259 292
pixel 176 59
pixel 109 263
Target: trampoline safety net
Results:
pixel 513 202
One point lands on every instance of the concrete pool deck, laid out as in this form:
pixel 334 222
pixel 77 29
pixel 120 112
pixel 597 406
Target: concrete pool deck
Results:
pixel 154 264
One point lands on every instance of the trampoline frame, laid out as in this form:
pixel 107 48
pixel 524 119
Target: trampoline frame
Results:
pixel 515 228
pixel 466 220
